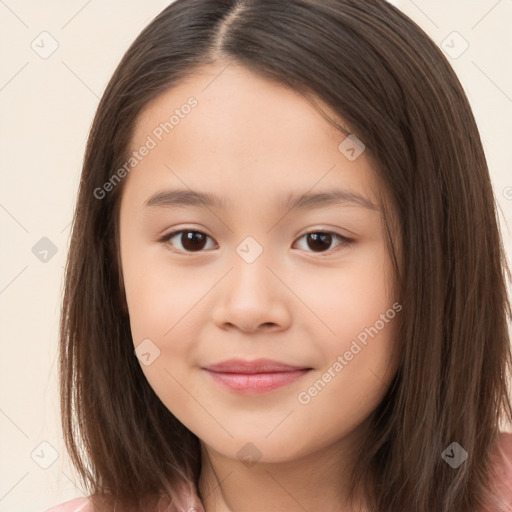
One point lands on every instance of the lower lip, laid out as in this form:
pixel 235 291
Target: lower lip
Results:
pixel 256 382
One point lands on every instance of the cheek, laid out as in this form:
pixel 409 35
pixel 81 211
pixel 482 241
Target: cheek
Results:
pixel 164 305
pixel 357 340
pixel 160 296
pixel 360 364
pixel 162 320
pixel 348 299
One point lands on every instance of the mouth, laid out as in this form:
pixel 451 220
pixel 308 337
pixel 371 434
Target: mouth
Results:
pixel 252 377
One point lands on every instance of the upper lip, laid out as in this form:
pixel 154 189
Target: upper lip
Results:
pixel 254 366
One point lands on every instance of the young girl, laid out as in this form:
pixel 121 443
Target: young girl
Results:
pixel 217 354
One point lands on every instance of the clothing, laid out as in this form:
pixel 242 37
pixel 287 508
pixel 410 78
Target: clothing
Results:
pixel 189 502
pixel 76 505
pixel 502 470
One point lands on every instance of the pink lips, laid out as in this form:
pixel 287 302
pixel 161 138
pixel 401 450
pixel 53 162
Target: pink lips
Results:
pixel 256 376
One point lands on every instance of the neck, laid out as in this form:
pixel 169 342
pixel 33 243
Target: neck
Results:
pixel 318 481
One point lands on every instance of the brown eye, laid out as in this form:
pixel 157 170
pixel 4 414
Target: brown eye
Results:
pixel 321 241
pixel 190 240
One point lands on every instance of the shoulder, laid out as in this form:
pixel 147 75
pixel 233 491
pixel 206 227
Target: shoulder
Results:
pixel 76 505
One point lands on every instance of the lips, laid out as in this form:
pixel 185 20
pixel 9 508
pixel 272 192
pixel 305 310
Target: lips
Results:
pixel 252 377
pixel 255 366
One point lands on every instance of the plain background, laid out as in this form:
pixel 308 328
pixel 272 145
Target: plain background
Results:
pixel 47 106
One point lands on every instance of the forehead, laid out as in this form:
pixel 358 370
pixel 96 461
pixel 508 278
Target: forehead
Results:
pixel 231 96
pixel 225 128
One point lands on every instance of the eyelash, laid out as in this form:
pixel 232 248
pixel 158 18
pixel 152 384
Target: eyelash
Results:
pixel 343 239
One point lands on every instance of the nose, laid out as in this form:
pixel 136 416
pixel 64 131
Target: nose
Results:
pixel 252 299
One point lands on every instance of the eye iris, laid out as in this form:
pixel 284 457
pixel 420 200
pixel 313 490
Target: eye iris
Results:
pixel 321 241
pixel 192 240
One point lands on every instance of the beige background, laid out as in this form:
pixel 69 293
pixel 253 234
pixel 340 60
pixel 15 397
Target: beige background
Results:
pixel 47 105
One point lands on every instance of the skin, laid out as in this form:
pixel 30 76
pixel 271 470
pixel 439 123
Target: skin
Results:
pixel 253 141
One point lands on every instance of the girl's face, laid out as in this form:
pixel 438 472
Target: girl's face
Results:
pixel 283 258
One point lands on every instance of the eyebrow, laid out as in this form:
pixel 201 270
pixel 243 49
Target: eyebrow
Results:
pixel 181 197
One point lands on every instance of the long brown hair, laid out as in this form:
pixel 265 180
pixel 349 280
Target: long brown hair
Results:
pixel 380 73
